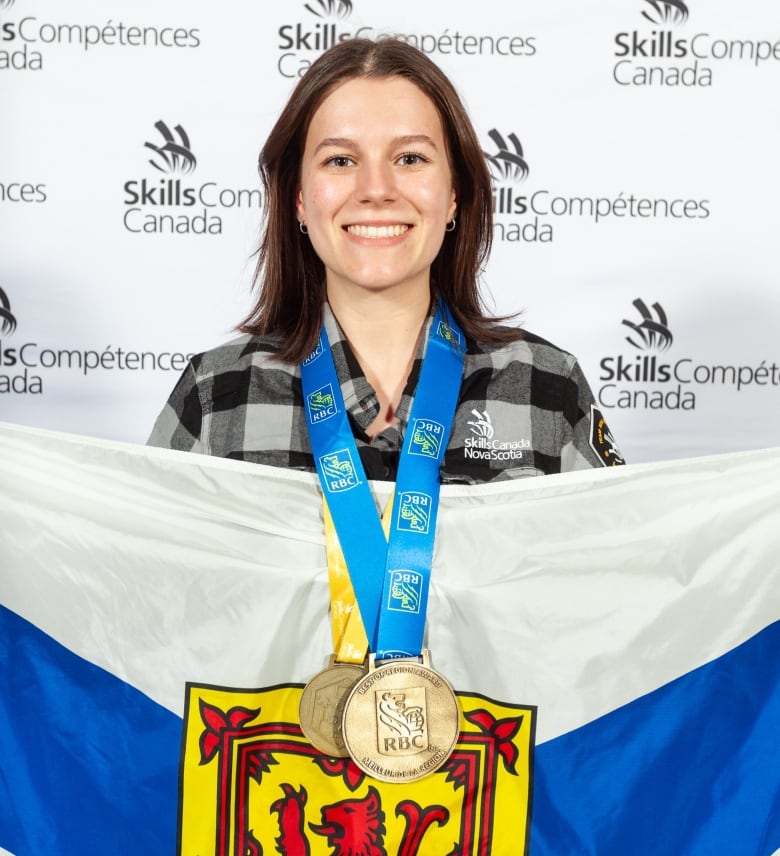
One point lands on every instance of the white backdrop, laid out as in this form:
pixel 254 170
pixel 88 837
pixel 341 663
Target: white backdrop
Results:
pixel 639 162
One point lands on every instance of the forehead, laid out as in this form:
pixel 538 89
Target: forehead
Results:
pixel 375 107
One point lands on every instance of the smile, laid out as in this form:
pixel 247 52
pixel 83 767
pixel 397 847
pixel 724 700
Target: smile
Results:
pixel 377 231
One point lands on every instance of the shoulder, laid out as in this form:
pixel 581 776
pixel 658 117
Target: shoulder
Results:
pixel 238 355
pixel 242 372
pixel 529 349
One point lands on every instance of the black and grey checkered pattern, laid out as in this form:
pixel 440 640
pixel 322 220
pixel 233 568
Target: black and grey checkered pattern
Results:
pixel 524 409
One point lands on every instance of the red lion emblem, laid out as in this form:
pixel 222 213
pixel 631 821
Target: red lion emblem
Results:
pixel 354 827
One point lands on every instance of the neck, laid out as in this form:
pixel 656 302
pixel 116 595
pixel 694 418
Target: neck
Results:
pixel 383 335
pixel 378 328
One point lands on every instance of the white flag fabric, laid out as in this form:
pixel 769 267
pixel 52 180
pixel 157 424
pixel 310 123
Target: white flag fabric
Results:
pixel 636 609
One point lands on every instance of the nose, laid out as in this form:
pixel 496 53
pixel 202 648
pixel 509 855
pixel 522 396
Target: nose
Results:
pixel 375 182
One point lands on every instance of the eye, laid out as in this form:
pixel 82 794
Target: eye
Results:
pixel 412 159
pixel 339 161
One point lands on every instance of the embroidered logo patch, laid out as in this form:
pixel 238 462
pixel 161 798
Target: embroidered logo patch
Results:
pixel 601 440
pixel 251 784
pixel 339 471
pixel 321 404
pixel 481 444
pixel 414 512
pixel 427 437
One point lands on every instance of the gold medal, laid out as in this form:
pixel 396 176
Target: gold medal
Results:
pixel 320 710
pixel 401 720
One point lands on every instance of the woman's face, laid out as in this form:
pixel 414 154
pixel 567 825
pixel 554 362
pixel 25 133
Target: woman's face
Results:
pixel 376 187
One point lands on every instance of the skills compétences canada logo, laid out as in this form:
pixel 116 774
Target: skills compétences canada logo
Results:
pixel 27 367
pixel 27 41
pixel 661 51
pixel 167 201
pixel 324 23
pixel 652 375
pixel 533 214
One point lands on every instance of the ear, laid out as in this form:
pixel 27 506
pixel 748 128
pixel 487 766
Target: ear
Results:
pixel 299 209
pixel 453 205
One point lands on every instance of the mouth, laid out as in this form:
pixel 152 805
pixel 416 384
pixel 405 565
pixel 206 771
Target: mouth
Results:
pixel 392 231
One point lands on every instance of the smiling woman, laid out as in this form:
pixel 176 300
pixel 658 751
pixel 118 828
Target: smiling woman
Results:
pixel 378 208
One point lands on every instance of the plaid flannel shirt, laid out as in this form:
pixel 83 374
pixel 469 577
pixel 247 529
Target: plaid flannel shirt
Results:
pixel 524 409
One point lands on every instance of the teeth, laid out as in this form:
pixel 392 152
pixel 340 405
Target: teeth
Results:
pixel 377 231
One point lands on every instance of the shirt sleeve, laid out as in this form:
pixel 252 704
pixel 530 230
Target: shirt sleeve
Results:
pixel 588 441
pixel 180 423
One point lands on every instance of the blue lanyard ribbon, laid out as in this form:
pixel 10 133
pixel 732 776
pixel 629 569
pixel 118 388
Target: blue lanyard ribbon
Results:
pixel 390 578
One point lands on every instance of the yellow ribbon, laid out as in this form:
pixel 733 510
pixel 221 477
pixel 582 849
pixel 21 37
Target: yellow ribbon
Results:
pixel 350 642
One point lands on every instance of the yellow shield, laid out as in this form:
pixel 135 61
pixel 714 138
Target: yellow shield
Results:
pixel 251 784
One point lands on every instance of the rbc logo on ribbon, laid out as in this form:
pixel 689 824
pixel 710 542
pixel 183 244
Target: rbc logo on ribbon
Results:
pixel 444 331
pixel 414 512
pixel 317 352
pixel 339 471
pixel 321 404
pixel 405 591
pixel 427 436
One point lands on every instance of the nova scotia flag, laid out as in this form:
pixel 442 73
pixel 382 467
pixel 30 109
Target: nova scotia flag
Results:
pixel 636 608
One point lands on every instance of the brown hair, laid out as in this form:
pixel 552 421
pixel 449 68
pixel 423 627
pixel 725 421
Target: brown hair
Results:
pixel 290 276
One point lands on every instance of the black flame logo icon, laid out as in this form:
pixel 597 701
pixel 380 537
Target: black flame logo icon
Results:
pixel 330 8
pixel 666 12
pixel 651 333
pixel 506 164
pixel 7 320
pixel 173 156
pixel 6 4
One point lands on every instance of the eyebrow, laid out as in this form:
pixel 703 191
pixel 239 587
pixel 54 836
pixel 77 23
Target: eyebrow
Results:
pixel 347 143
